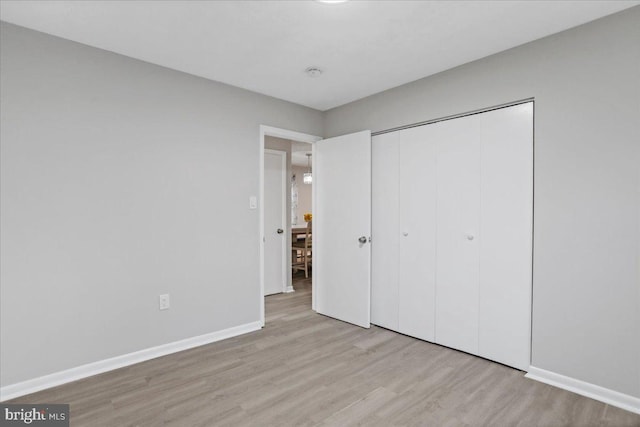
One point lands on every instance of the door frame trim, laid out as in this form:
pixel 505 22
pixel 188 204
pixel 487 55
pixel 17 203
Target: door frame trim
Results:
pixel 283 217
pixel 278 133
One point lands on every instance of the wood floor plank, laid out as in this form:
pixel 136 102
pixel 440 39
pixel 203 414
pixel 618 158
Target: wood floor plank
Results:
pixel 304 369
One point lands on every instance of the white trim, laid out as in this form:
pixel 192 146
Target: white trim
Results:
pixel 611 397
pixel 283 217
pixel 285 134
pixel 288 134
pixel 79 372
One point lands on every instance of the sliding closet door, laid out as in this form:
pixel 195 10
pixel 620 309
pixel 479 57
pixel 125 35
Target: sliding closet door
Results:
pixel 458 209
pixel 416 296
pixel 384 228
pixel 505 235
pixel 452 220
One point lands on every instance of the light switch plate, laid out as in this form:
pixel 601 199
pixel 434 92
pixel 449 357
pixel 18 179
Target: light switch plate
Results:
pixel 164 302
pixel 253 202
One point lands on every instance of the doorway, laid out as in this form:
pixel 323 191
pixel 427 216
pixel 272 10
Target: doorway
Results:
pixel 275 263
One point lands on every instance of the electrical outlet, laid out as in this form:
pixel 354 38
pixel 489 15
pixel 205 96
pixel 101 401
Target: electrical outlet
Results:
pixel 164 302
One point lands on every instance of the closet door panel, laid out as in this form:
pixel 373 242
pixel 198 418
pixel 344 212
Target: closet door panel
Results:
pixel 505 235
pixel 417 233
pixel 384 230
pixel 458 208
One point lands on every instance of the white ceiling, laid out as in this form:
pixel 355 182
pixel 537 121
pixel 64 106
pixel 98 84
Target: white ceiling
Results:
pixel 363 47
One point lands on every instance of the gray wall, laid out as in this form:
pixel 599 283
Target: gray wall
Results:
pixel 122 180
pixel 586 84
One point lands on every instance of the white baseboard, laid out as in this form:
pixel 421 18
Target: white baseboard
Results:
pixel 611 397
pixel 289 289
pixel 58 378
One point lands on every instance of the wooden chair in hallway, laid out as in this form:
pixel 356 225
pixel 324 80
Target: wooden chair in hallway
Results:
pixel 304 247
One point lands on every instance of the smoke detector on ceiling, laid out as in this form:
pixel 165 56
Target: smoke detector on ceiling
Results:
pixel 313 71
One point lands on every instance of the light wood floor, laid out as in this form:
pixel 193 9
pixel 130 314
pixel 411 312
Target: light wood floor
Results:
pixel 304 369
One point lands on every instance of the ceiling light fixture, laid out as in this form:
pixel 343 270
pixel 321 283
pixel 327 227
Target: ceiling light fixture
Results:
pixel 331 1
pixel 313 72
pixel 308 178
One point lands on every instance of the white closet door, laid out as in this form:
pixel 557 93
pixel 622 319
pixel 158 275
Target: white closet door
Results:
pixel 458 208
pixel 342 227
pixel 417 232
pixel 384 227
pixel 505 235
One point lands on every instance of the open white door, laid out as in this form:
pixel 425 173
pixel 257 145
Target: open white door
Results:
pixel 342 227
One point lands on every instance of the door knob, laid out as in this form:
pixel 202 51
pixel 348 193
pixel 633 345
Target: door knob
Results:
pixel 280 231
pixel 362 239
pixel 470 236
pixel 405 233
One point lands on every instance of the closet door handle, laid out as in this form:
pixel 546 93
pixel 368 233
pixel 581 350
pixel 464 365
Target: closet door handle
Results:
pixel 362 240
pixel 470 237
